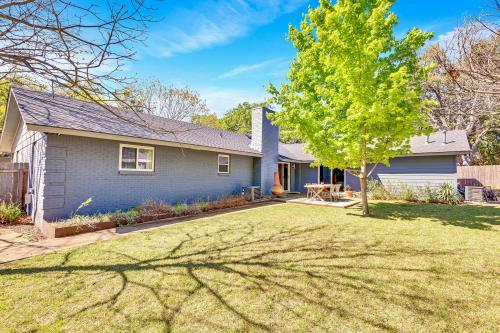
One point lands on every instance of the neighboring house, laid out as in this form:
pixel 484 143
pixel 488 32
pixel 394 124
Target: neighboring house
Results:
pixel 77 149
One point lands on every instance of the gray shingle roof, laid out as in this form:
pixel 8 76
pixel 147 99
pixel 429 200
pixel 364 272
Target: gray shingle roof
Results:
pixel 42 109
pixel 456 143
pixel 294 152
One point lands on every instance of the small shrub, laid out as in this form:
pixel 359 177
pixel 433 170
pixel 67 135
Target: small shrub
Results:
pixel 84 204
pixel 85 219
pixel 202 206
pixel 9 212
pixel 378 191
pixel 124 218
pixel 228 202
pixel 154 207
pixel 193 209
pixel 154 210
pixel 181 209
pixel 447 193
pixel 408 193
pixel 427 194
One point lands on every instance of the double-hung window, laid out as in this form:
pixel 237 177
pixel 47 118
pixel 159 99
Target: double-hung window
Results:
pixel 223 163
pixel 136 158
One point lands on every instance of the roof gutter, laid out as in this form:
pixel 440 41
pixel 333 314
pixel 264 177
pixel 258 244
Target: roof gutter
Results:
pixel 442 153
pixel 125 138
pixel 291 160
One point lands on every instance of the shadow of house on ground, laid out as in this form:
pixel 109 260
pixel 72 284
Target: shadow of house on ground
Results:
pixel 467 216
pixel 248 273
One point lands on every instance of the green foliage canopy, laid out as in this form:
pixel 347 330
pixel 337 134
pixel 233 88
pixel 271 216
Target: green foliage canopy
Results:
pixel 239 118
pixel 209 119
pixel 353 90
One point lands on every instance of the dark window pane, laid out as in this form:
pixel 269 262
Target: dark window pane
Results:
pixel 129 157
pixel 224 168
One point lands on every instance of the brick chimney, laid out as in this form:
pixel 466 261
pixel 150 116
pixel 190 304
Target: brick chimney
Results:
pixel 265 139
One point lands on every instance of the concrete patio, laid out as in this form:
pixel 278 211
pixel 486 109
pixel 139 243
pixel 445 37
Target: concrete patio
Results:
pixel 340 203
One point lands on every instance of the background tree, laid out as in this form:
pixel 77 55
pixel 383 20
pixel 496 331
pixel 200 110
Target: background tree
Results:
pixel 72 43
pixel 353 91
pixel 155 98
pixel 465 82
pixel 239 118
pixel 209 119
pixel 5 85
pixel 488 149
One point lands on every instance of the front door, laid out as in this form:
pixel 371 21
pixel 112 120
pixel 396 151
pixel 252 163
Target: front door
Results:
pixel 284 171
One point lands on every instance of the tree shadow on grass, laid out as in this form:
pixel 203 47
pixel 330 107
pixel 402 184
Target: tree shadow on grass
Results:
pixel 467 216
pixel 296 270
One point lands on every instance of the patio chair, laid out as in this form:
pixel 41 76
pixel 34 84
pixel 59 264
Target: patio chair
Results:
pixel 327 193
pixel 335 191
pixel 309 192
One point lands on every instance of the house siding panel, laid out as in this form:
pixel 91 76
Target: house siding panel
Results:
pixel 29 147
pixel 413 171
pixel 91 170
pixel 305 174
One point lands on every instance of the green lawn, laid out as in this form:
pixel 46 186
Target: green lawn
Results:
pixel 284 268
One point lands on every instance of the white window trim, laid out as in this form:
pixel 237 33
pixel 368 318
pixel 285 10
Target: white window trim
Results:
pixel 123 145
pixel 228 164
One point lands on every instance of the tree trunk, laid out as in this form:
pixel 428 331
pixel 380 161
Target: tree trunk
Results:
pixel 469 157
pixel 363 181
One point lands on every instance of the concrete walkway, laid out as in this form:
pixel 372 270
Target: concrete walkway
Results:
pixel 14 247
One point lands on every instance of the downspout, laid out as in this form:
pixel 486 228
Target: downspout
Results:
pixel 31 209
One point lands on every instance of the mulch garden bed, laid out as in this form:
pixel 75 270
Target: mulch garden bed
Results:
pixel 25 227
pixel 57 230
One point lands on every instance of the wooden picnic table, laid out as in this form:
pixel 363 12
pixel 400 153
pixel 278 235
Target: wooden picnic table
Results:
pixel 316 190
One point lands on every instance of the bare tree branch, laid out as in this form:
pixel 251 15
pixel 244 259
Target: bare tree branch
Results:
pixel 168 102
pixel 465 81
pixel 80 47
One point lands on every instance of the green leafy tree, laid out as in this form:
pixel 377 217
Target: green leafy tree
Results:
pixel 239 118
pixel 4 96
pixel 209 119
pixel 488 149
pixel 353 90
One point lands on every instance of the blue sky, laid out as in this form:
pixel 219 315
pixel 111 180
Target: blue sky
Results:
pixel 230 50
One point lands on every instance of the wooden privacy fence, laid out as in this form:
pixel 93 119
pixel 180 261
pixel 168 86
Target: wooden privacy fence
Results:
pixel 480 175
pixel 13 182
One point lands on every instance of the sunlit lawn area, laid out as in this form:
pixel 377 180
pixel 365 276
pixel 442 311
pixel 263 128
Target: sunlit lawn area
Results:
pixel 283 268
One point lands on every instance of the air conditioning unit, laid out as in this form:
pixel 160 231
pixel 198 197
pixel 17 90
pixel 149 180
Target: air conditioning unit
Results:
pixel 474 193
pixel 252 193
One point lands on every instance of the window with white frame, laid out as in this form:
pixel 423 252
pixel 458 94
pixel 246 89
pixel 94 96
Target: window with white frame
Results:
pixel 223 163
pixel 136 158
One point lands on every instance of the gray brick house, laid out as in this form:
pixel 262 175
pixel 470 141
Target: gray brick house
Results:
pixel 77 149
